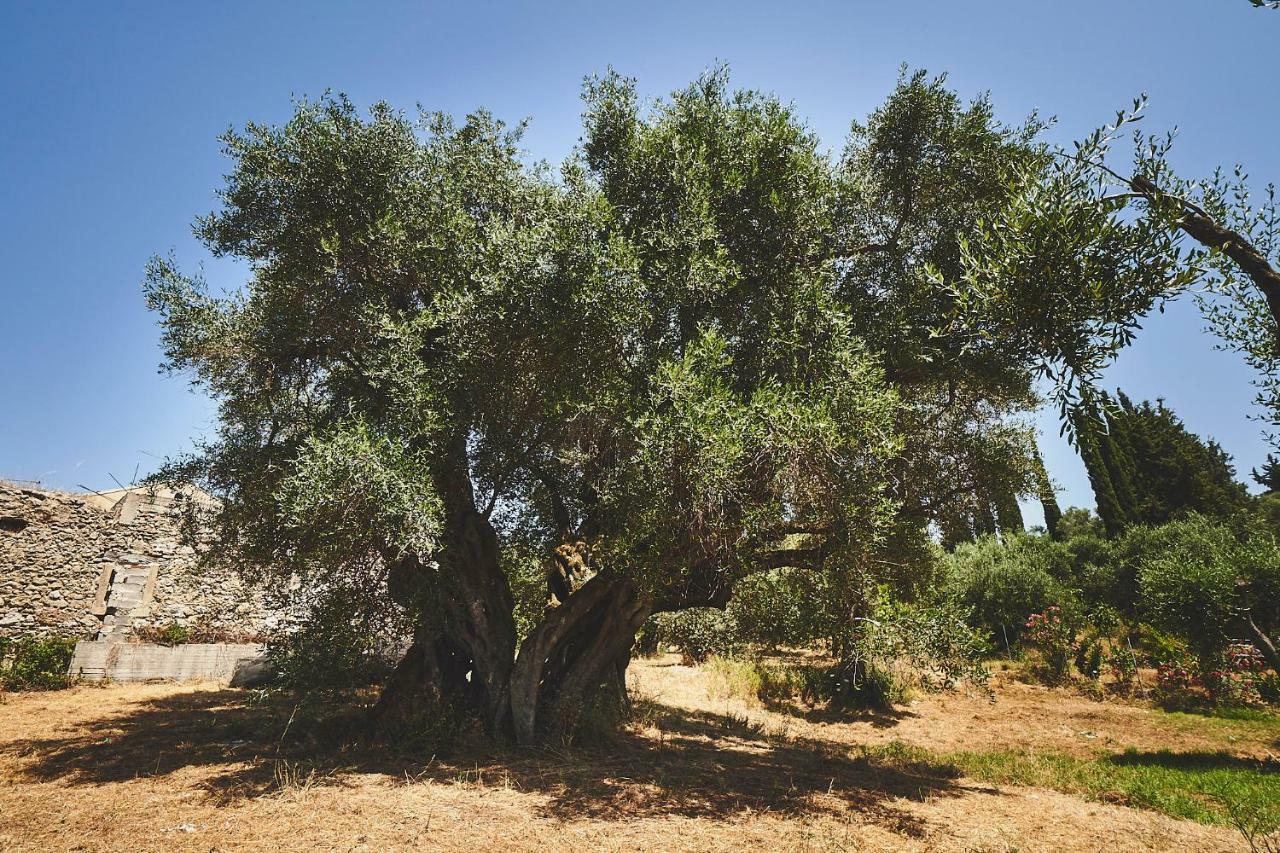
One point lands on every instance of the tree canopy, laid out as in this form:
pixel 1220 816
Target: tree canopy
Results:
pixel 699 349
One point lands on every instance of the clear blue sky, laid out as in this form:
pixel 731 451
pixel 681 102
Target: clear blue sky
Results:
pixel 111 112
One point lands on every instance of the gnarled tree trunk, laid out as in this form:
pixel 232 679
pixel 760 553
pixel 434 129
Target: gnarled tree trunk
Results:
pixel 466 640
pixel 465 652
pixel 575 650
pixel 578 650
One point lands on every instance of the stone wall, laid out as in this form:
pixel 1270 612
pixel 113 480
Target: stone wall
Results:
pixel 102 565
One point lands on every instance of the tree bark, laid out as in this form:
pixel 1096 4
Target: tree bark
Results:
pixel 578 648
pixel 466 640
pixel 1205 230
pixel 478 610
pixel 428 680
pixel 598 659
pixel 475 597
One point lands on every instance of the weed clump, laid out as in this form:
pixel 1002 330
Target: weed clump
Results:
pixel 35 663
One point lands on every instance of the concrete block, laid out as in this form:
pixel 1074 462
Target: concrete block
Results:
pixel 240 664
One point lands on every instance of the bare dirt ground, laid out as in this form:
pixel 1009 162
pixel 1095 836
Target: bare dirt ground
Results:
pixel 200 767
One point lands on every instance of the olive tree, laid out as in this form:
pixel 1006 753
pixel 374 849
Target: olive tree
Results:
pixel 700 349
pixel 639 361
pixel 1087 246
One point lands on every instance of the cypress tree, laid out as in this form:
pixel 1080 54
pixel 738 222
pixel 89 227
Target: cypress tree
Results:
pixel 1048 500
pixel 1008 513
pixel 1088 429
pixel 1146 467
pixel 1269 476
pixel 1176 471
pixel 1116 448
pixel 984 520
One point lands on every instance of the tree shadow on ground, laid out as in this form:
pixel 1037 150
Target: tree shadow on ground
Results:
pixel 1195 760
pixel 878 718
pixel 694 764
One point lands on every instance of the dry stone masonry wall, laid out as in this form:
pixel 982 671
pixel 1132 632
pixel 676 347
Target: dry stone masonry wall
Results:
pixel 101 566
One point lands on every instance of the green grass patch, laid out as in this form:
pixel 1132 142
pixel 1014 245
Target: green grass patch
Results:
pixel 1228 726
pixel 1253 715
pixel 1206 787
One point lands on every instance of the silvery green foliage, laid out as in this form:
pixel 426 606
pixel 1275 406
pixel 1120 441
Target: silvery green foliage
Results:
pixel 1086 247
pixel 999 583
pixel 1066 270
pixel 411 279
pixel 700 349
pixel 931 642
pixel 1198 575
pixel 1237 312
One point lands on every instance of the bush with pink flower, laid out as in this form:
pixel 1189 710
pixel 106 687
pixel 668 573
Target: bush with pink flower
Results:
pixel 1054 636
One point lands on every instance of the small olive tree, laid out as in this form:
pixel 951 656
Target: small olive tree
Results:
pixel 1209 585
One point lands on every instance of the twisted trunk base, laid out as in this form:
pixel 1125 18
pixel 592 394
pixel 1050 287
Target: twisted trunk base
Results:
pixel 578 650
pixel 573 662
pixel 431 678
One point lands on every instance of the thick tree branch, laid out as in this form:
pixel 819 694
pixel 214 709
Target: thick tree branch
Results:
pixel 1197 223
pixel 1262 642
pixel 527 675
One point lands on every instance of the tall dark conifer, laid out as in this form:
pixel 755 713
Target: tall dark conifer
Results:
pixel 1269 476
pixel 1147 468
pixel 1048 500
pixel 1090 430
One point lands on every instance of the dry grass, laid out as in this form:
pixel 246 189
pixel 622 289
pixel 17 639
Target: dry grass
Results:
pixel 198 767
pixel 1021 716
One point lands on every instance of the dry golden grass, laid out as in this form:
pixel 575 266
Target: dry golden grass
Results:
pixel 1022 715
pixel 199 767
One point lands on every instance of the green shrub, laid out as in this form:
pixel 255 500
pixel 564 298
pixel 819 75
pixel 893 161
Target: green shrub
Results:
pixel 171 634
pixel 1000 584
pixel 804 681
pixel 865 686
pixel 1098 575
pixel 1159 647
pixel 1269 688
pixel 896 647
pixel 648 639
pixel 782 607
pixel 1076 522
pixel 1127 555
pixel 1188 585
pixel 1089 654
pixel 699 633
pixel 933 643
pixel 346 640
pixel 899 646
pixel 200 631
pixel 1054 636
pixel 1266 510
pixel 844 686
pixel 31 663
pixel 1123 665
pixel 739 678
